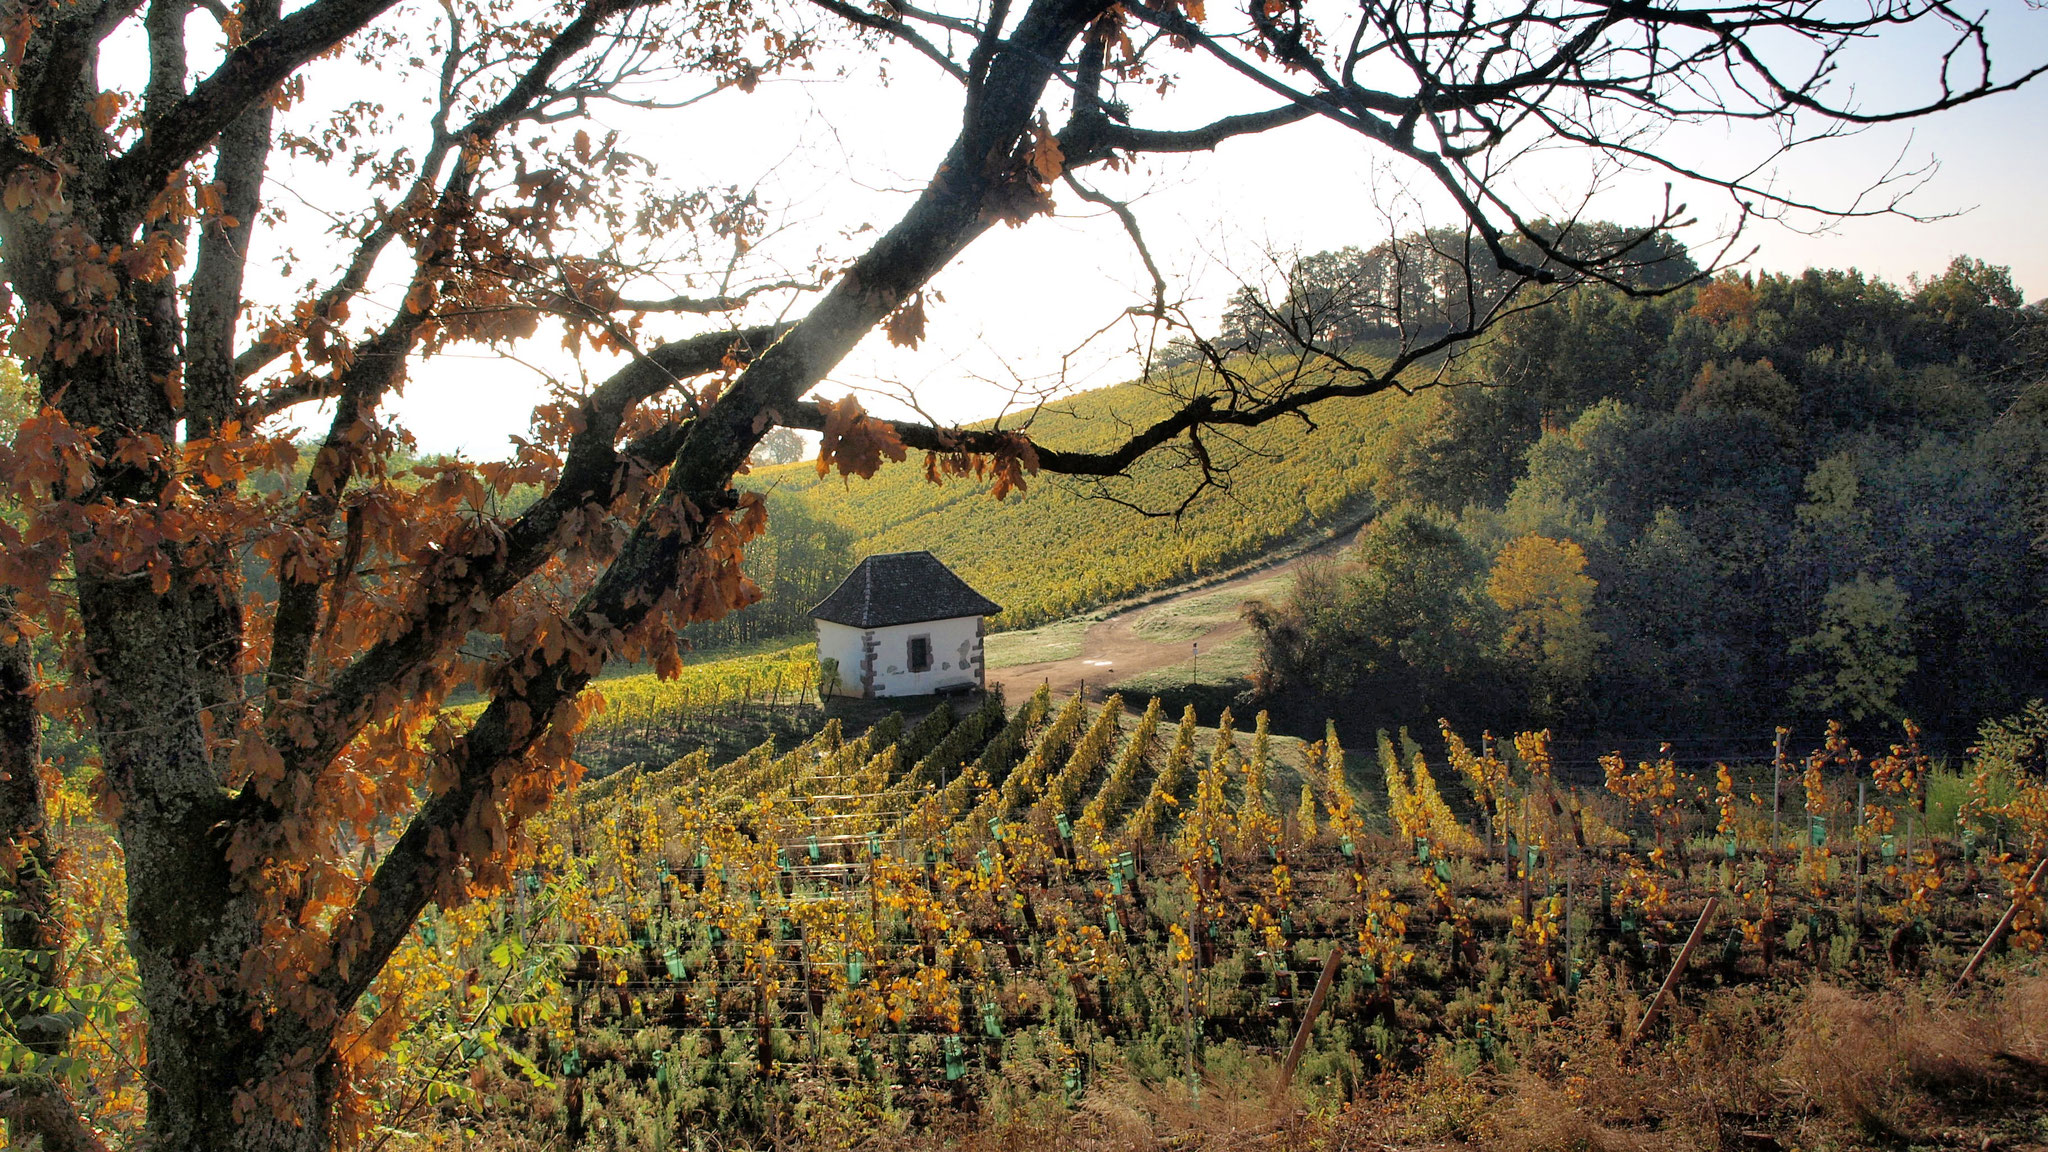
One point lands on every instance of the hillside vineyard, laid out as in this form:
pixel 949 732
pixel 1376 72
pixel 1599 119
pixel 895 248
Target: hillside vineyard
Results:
pixel 1018 904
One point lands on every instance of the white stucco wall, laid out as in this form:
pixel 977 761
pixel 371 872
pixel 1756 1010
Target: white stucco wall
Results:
pixel 876 661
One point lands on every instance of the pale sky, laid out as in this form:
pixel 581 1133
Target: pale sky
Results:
pixel 831 155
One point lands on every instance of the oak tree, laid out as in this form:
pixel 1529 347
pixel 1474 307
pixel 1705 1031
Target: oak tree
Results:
pixel 262 667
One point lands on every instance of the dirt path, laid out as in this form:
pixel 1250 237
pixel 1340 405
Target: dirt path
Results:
pixel 1163 634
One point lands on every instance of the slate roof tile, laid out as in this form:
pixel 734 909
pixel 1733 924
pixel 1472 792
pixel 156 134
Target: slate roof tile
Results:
pixel 901 588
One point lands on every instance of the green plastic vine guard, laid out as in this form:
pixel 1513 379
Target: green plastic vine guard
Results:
pixel 661 1067
pixel 1888 846
pixel 811 847
pixel 1817 830
pixel 875 847
pixel 991 1020
pixel 1529 855
pixel 1728 849
pixel 1116 883
pixel 429 935
pixel 995 827
pixel 1422 849
pixel 674 962
pixel 1215 853
pixel 1347 847
pixel 985 862
pixel 856 967
pixel 703 858
pixel 1286 924
pixel 1128 863
pixel 1109 917
pixel 1064 825
pixel 956 1065
pixel 572 1063
pixel 1443 870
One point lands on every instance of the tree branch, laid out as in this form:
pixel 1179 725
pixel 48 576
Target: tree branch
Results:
pixel 1098 139
pixel 708 305
pixel 211 380
pixel 250 71
pixel 376 367
pixel 456 592
pixel 896 28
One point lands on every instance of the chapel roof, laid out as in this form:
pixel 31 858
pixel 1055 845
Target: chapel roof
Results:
pixel 901 588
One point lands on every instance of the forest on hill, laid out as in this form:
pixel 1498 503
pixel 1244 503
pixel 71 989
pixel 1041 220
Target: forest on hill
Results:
pixel 1764 499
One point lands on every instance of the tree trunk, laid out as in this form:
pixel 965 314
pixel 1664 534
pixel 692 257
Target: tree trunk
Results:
pixel 25 869
pixel 232 1065
pixel 31 1105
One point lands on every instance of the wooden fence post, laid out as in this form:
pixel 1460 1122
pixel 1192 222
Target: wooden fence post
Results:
pixel 1308 1020
pixel 2004 922
pixel 1777 782
pixel 1677 970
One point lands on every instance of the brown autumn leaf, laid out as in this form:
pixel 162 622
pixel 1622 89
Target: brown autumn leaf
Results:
pixel 1046 158
pixel 905 326
pixel 854 441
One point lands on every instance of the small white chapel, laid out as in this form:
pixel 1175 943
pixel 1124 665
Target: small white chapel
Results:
pixel 903 624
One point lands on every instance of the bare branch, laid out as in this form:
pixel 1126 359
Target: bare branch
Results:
pixel 708 305
pixel 250 71
pixel 898 29
pixel 1096 139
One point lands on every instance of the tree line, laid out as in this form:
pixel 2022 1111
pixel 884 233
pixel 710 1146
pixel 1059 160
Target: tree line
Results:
pixel 1762 498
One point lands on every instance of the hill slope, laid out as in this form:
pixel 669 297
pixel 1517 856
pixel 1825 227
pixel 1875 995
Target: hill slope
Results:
pixel 1062 549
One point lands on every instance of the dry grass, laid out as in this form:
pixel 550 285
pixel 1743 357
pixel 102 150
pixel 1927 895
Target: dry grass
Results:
pixel 1741 1071
pixel 1128 1117
pixel 1896 1066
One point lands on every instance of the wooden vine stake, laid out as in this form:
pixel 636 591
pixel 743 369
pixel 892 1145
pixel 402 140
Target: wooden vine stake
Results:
pixel 2004 922
pixel 1308 1020
pixel 1677 970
